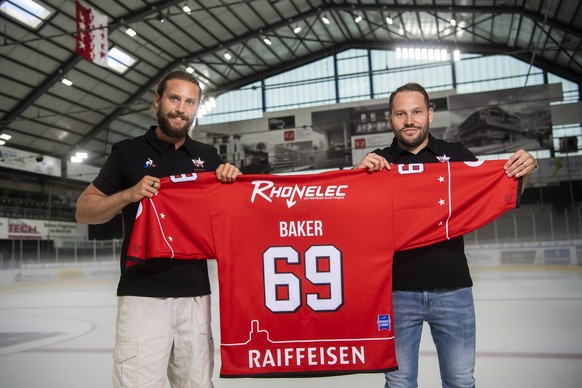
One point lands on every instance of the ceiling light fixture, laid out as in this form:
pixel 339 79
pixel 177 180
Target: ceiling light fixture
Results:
pixel 190 69
pixel 389 20
pixel 227 56
pixel 297 30
pixel 67 81
pixel 453 22
pixel 456 55
pixel 161 18
pixel 206 107
pixel 267 41
pixel 424 54
pixel 130 31
pixel 187 9
pixel 461 28
pixel 358 19
pixel 4 138
pixel 325 20
pixel 79 157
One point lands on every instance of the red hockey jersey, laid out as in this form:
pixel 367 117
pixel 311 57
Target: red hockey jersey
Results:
pixel 304 261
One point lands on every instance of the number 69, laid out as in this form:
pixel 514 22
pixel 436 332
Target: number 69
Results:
pixel 274 280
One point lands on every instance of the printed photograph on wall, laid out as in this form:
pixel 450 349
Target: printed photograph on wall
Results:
pixel 287 150
pixel 501 120
pixel 340 125
pixel 370 119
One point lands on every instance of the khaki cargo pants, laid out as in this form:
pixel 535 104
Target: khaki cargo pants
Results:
pixel 160 339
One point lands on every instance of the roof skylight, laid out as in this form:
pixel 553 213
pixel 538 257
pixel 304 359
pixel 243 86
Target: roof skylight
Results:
pixel 27 12
pixel 119 60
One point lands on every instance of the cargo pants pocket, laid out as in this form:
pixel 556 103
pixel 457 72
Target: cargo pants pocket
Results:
pixel 125 365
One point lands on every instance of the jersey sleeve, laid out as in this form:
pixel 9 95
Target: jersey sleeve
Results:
pixel 165 223
pixel 439 201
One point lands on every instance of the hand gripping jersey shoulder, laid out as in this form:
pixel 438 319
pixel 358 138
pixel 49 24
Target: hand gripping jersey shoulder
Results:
pixel 305 261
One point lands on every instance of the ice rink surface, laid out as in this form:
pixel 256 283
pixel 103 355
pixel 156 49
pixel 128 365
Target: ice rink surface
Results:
pixel 529 334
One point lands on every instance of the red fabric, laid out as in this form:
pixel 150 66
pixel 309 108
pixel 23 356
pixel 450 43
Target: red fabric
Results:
pixel 92 37
pixel 305 261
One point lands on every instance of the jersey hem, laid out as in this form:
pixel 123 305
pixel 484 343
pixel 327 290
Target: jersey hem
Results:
pixel 305 374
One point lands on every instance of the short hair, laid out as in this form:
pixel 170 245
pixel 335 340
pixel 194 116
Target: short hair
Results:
pixel 180 75
pixel 409 87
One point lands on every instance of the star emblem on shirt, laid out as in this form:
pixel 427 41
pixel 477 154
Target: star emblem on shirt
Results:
pixel 441 179
pixel 441 202
pixel 198 162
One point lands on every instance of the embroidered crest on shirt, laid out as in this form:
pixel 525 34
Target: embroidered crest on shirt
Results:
pixel 384 322
pixel 443 158
pixel 149 163
pixel 198 162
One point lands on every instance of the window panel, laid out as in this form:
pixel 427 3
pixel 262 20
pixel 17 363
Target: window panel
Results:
pixel 242 104
pixel 354 88
pixel 300 96
pixel 315 84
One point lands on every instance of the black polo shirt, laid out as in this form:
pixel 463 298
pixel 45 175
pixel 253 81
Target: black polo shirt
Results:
pixel 129 161
pixel 442 265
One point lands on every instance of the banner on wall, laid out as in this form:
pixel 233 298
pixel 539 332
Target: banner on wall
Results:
pixel 25 161
pixel 284 122
pixel 25 229
pixel 555 170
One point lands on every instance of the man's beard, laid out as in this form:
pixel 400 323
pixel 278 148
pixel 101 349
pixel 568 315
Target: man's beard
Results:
pixel 169 130
pixel 411 143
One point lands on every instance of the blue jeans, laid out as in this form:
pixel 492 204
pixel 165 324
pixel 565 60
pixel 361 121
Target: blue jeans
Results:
pixel 451 318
